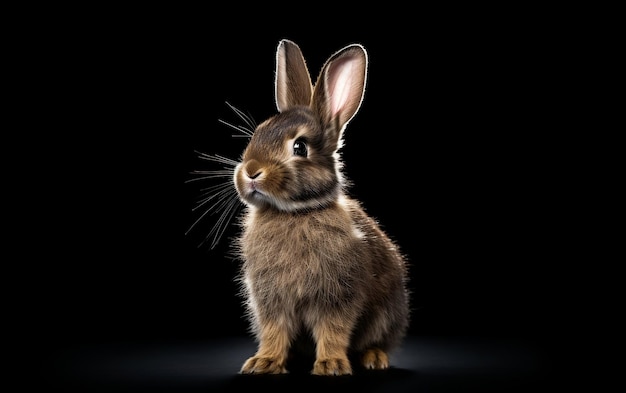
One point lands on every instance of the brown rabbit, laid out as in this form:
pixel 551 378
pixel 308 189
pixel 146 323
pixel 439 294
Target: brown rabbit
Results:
pixel 315 265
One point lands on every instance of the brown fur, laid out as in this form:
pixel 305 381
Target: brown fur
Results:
pixel 314 263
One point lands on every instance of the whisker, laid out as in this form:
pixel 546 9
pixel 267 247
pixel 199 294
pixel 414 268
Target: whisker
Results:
pixel 221 171
pixel 224 191
pixel 247 133
pixel 212 188
pixel 245 117
pixel 229 208
pixel 226 203
pixel 220 199
pixel 218 158
pixel 210 175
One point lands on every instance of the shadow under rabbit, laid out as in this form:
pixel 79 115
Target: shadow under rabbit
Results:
pixel 432 363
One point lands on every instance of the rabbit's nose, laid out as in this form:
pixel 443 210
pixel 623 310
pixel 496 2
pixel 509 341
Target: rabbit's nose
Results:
pixel 253 169
pixel 254 176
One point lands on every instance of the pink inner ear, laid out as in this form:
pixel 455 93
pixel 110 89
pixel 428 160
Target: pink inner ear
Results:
pixel 341 84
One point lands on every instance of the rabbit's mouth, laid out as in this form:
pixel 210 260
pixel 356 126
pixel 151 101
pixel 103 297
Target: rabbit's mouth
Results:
pixel 256 194
pixel 255 190
pixel 250 189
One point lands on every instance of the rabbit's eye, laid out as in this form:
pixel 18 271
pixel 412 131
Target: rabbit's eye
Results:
pixel 299 148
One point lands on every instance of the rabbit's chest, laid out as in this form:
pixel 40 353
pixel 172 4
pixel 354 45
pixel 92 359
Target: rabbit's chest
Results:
pixel 299 258
pixel 287 251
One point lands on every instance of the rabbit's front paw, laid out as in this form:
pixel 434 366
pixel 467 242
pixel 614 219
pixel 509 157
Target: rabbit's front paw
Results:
pixel 332 366
pixel 263 365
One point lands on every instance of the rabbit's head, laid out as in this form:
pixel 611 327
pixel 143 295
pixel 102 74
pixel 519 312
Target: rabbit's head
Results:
pixel 291 162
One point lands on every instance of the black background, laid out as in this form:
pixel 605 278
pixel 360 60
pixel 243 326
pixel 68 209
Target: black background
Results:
pixel 452 151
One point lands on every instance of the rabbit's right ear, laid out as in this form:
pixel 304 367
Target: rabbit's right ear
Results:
pixel 293 81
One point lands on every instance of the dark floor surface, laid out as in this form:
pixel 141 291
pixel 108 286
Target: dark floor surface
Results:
pixel 423 364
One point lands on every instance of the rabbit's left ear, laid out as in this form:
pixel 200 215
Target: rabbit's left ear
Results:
pixel 293 81
pixel 340 86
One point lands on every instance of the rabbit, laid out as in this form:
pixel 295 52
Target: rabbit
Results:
pixel 314 265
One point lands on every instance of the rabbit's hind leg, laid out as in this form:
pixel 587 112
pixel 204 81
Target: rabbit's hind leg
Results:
pixel 375 359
